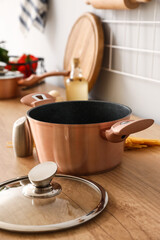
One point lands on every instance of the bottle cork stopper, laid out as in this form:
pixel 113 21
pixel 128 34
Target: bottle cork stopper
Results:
pixel 75 62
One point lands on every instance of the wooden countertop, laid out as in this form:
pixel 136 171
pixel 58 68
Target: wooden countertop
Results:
pixel 133 187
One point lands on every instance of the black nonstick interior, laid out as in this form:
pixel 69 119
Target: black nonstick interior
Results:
pixel 79 112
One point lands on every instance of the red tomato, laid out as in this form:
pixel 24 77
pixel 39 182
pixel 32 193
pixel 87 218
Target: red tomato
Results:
pixel 26 69
pixel 22 69
pixel 22 59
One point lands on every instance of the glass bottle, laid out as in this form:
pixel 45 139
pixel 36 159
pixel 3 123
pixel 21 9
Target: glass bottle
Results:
pixel 76 84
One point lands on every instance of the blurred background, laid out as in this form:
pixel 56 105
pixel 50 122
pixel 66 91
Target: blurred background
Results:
pixel 130 72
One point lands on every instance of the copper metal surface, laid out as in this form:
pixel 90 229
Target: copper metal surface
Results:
pixel 85 148
pixel 76 149
pixel 9 88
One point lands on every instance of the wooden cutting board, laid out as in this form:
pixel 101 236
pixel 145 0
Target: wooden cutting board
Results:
pixel 86 41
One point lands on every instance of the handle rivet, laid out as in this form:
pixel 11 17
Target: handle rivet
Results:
pixel 123 136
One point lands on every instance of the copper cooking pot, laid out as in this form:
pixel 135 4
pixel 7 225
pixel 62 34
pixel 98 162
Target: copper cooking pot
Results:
pixel 11 82
pixel 81 137
pixel 8 85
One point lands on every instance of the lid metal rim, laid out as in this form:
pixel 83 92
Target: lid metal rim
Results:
pixel 64 225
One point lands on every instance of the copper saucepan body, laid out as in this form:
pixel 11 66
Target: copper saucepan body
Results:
pixel 8 85
pixel 81 137
pixel 11 82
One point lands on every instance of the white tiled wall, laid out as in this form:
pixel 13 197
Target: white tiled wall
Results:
pixel 131 65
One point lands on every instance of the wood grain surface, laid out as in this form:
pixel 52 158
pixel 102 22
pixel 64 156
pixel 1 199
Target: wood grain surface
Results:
pixel 133 187
pixel 86 42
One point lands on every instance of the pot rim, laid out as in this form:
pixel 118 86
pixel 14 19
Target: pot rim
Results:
pixel 11 76
pixel 89 125
pixel 79 125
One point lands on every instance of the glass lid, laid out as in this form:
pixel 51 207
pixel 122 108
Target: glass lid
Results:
pixel 46 201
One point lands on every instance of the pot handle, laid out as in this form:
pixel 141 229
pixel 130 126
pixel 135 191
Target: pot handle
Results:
pixel 33 79
pixel 122 129
pixel 37 99
pixel 22 138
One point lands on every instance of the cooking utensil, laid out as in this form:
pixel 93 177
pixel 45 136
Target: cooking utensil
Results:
pixel 8 84
pixel 86 42
pixel 9 79
pixel 116 4
pixel 82 137
pixel 21 135
pixel 36 203
pixel 22 138
pixel 11 82
pixel 35 78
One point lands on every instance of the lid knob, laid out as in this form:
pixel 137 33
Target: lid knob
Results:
pixel 42 174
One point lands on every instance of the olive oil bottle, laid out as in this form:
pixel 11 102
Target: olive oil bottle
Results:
pixel 76 84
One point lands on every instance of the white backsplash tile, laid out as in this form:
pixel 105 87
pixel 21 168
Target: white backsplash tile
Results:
pixel 134 75
pixel 131 35
pixel 131 14
pixel 118 34
pixel 156 67
pixel 144 65
pixel 157 5
pixel 117 59
pixel 108 14
pixel 130 62
pixel 146 36
pixel 156 43
pixel 135 37
pixel 148 10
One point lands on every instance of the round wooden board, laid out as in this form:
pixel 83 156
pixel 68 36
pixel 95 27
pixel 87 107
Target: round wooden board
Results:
pixel 86 41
